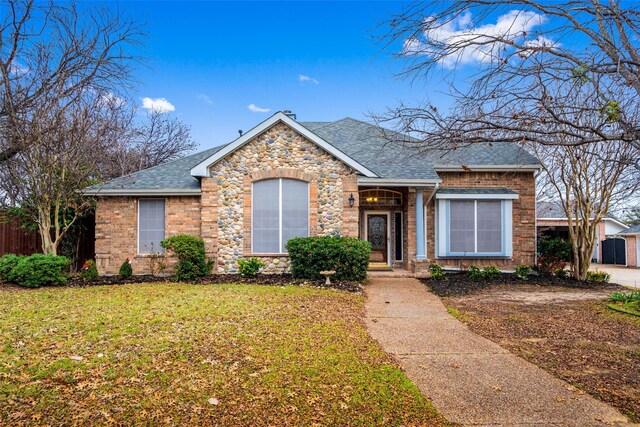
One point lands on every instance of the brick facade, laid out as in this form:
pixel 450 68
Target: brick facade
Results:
pixel 523 209
pixel 222 214
pixel 117 225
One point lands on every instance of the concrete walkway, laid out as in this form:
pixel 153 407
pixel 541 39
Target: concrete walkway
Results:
pixel 469 379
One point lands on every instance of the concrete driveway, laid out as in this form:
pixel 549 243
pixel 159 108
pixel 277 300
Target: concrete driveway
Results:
pixel 626 276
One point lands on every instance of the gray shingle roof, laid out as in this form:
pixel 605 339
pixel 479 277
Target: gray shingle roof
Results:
pixel 361 141
pixel 173 175
pixel 553 209
pixel 635 229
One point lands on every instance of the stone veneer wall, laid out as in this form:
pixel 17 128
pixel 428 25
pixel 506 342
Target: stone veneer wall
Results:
pixel 279 152
pixel 117 230
pixel 524 221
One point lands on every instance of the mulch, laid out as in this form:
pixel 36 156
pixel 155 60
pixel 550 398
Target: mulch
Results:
pixel 462 284
pixel 218 279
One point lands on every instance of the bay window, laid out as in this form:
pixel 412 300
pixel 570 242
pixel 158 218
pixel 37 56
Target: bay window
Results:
pixel 474 227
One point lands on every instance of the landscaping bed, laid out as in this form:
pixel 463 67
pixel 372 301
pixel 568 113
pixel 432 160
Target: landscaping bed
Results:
pixel 461 284
pixel 567 330
pixel 216 279
pixel 185 354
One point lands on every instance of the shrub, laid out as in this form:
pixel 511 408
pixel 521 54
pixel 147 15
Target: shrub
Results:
pixel 597 276
pixel 250 267
pixel 522 272
pixel 347 256
pixel 561 273
pixel 125 269
pixel 89 270
pixel 192 262
pixel 39 270
pixel 436 272
pixel 548 265
pixel 626 297
pixel 491 272
pixel 557 248
pixel 7 262
pixel 474 273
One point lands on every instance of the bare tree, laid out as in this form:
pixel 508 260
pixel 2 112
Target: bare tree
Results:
pixel 140 144
pixel 533 56
pixel 53 53
pixel 65 121
pixel 586 181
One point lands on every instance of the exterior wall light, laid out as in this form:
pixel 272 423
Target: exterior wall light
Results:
pixel 352 200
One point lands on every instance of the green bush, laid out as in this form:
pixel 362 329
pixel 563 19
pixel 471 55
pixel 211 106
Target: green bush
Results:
pixel 347 256
pixel 555 248
pixel 626 297
pixel 192 261
pixel 250 267
pixel 522 272
pixel 490 272
pixel 598 276
pixel 125 269
pixel 436 272
pixel 7 262
pixel 474 273
pixel 89 270
pixel 39 270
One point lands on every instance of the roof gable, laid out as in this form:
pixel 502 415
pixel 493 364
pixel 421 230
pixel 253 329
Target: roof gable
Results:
pixel 202 168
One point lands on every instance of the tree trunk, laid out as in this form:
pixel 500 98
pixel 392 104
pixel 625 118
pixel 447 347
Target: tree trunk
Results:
pixel 49 246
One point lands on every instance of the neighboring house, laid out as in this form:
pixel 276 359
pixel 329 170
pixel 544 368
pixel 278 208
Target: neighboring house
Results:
pixel 285 178
pixel 552 222
pixel 632 237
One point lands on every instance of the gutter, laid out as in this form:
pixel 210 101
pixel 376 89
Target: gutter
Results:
pixel 143 192
pixel 487 168
pixel 399 182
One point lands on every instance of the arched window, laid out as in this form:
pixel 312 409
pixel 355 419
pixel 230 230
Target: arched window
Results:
pixel 380 197
pixel 280 211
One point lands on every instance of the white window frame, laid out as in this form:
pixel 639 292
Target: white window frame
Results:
pixel 160 249
pixel 443 215
pixel 279 214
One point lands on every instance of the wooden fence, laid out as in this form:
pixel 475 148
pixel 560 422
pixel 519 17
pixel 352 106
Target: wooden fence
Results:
pixel 15 240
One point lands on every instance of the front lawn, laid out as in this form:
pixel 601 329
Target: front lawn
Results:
pixel 183 354
pixel 572 333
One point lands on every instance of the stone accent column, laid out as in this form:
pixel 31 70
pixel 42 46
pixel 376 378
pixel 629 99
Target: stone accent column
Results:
pixel 209 217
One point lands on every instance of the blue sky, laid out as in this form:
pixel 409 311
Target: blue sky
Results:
pixel 211 60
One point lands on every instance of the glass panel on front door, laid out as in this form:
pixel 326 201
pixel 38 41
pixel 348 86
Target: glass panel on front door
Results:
pixel 377 236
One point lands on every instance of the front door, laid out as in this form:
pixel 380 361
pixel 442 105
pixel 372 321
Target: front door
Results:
pixel 377 235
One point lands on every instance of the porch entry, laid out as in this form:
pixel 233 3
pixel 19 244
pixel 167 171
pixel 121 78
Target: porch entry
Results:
pixel 378 232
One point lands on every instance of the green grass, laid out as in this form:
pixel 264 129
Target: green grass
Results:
pixel 632 308
pixel 156 353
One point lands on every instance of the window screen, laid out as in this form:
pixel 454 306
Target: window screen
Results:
pixel 266 220
pixel 150 225
pixel 280 213
pixel 489 226
pixel 462 226
pixel 295 210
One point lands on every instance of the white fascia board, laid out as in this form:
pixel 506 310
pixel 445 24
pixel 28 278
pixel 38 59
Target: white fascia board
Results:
pixel 202 168
pixel 148 192
pixel 487 168
pixel 399 182
pixel 471 196
pixel 615 221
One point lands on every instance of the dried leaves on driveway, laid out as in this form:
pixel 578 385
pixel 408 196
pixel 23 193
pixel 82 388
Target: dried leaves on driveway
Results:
pixel 180 354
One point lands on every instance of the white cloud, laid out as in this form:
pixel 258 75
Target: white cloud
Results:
pixel 160 105
pixel 112 100
pixel 477 43
pixel 304 79
pixel 18 69
pixel 204 98
pixel 256 109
